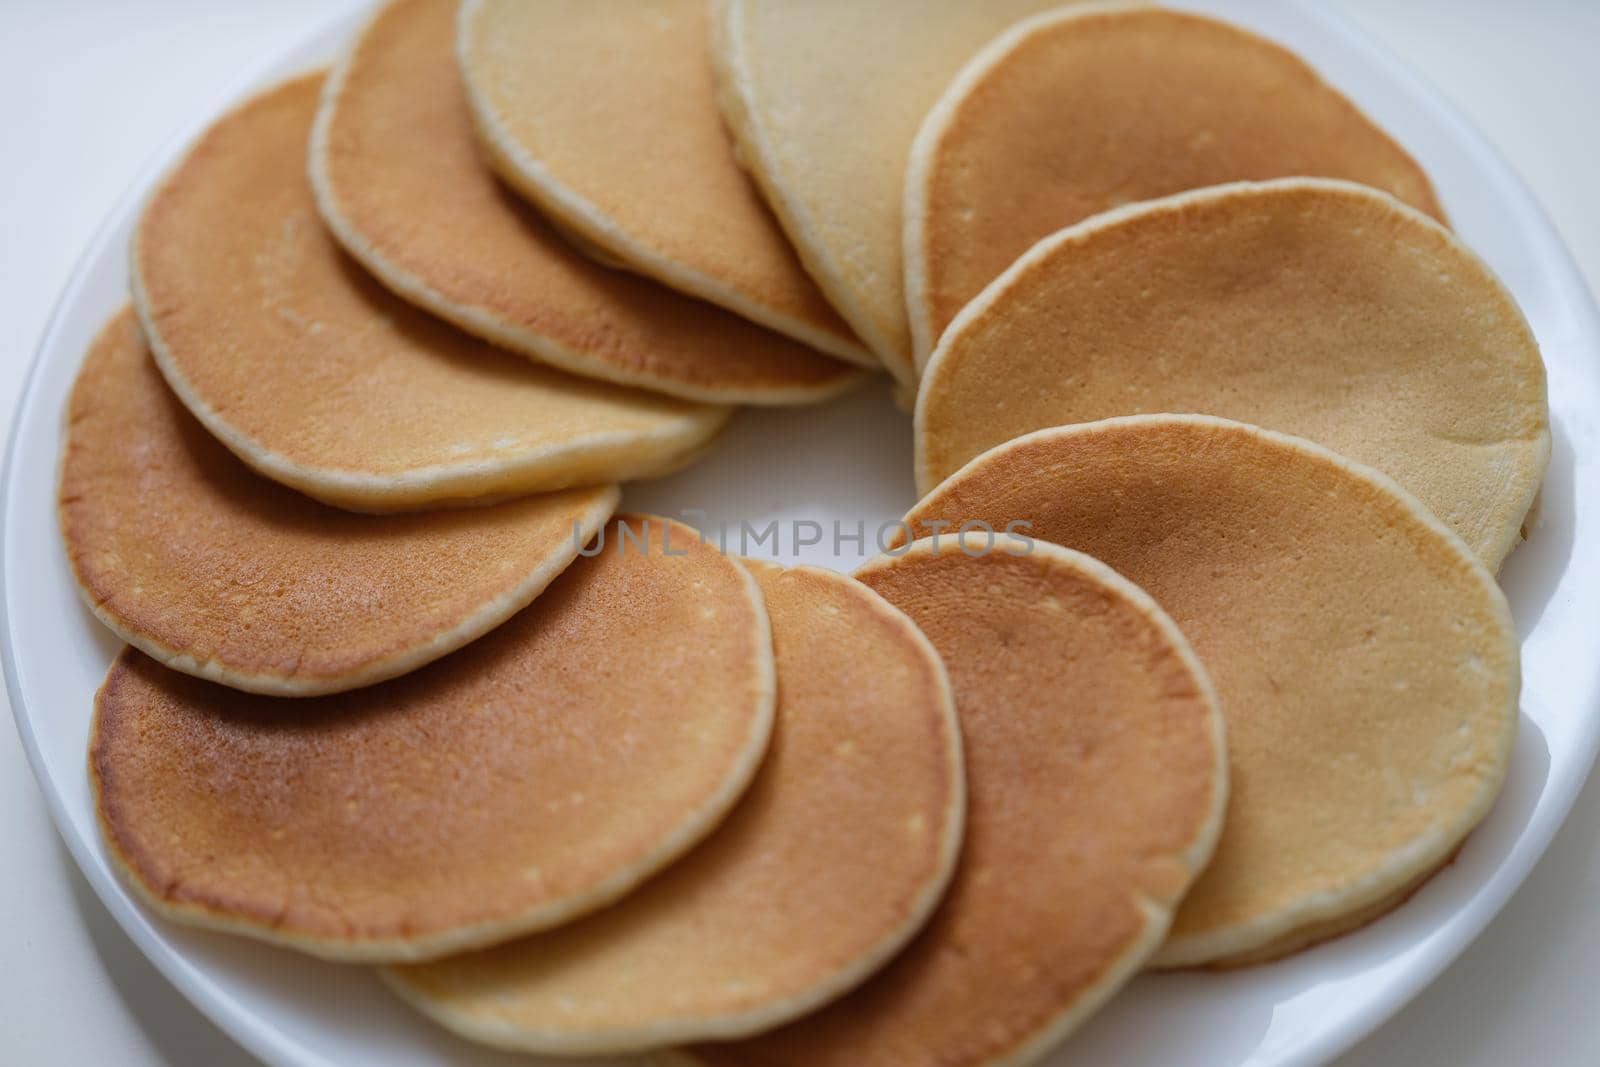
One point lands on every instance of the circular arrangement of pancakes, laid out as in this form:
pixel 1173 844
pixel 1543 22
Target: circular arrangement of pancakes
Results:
pixel 239 580
pixel 407 192
pixel 834 858
pixel 606 116
pixel 1318 308
pixel 535 775
pixel 1133 685
pixel 1097 775
pixel 1060 118
pixel 824 100
pixel 1364 656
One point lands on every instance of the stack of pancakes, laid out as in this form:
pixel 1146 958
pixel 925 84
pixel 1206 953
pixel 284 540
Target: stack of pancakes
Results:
pixel 403 689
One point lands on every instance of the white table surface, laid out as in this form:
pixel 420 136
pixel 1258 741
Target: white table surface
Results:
pixel 88 88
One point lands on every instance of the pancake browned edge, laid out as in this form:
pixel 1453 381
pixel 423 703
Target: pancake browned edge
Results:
pixel 606 117
pixel 400 180
pixel 835 857
pixel 1310 306
pixel 185 553
pixel 1366 660
pixel 540 773
pixel 1097 772
pixel 1017 147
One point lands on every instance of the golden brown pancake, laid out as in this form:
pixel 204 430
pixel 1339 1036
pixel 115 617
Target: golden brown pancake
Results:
pixel 834 858
pixel 400 181
pixel 1077 111
pixel 317 377
pixel 605 116
pixel 1097 776
pixel 183 551
pixel 535 775
pixel 1318 308
pixel 824 99
pixel 1366 660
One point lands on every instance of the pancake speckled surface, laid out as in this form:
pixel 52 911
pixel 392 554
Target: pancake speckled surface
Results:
pixel 1366 661
pixel 1081 110
pixel 605 115
pixel 824 100
pixel 401 181
pixel 1096 777
pixel 316 376
pixel 537 774
pixel 1313 307
pixel 215 571
pixel 831 862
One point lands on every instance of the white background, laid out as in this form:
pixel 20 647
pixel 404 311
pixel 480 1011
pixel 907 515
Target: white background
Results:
pixel 89 88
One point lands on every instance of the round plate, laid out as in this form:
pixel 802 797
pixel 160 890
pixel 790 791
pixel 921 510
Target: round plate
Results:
pixel 828 503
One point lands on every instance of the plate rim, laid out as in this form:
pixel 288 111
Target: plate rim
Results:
pixel 264 1040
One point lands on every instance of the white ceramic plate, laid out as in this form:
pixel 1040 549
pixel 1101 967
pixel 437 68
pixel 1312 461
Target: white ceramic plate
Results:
pixel 851 462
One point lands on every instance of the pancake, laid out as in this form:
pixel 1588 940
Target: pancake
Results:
pixel 537 774
pixel 836 855
pixel 185 553
pixel 1060 118
pixel 1097 776
pixel 318 378
pixel 1314 307
pixel 1366 661
pixel 823 100
pixel 400 181
pixel 605 116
